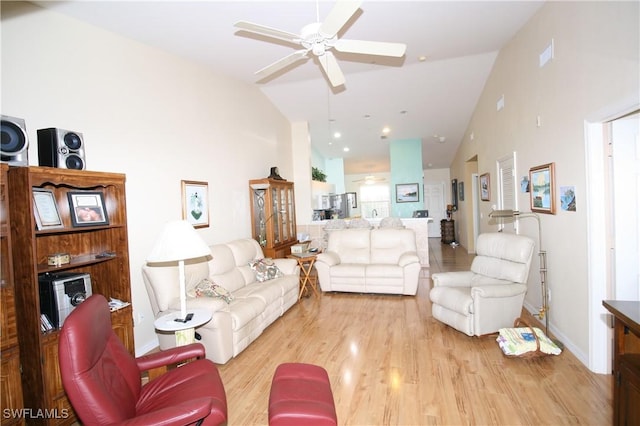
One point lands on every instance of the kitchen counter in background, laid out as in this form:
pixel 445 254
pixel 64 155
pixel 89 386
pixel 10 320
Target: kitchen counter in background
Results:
pixel 315 230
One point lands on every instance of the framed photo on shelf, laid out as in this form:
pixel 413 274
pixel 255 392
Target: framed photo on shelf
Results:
pixel 87 208
pixel 485 187
pixel 195 203
pixel 46 209
pixel 542 188
pixel 407 193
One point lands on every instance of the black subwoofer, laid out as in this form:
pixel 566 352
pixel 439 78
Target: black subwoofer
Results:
pixel 15 141
pixel 61 148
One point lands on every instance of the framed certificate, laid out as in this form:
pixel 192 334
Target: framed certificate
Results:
pixel 46 209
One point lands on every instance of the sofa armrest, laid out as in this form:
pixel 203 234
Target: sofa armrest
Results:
pixel 287 266
pixel 329 257
pixel 408 258
pixel 170 356
pixel 453 279
pixel 495 291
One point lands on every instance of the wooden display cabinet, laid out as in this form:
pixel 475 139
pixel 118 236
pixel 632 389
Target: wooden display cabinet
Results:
pixel 273 216
pixel 31 247
pixel 10 378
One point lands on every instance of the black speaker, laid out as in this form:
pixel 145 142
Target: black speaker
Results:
pixel 60 148
pixel 15 141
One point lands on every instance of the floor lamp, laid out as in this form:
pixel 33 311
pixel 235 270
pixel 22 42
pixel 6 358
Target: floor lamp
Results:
pixel 514 214
pixel 178 242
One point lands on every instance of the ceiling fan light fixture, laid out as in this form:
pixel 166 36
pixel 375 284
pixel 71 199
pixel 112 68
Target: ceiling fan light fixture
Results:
pixel 319 38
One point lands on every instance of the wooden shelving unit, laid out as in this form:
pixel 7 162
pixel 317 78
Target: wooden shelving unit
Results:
pixel 42 386
pixel 273 216
pixel 10 379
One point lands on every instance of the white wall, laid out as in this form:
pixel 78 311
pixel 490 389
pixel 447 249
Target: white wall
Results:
pixel 153 116
pixel 596 65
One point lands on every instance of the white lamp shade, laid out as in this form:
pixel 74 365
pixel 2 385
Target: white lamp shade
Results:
pixel 178 241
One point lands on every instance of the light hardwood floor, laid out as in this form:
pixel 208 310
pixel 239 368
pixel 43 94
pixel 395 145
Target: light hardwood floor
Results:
pixel 391 363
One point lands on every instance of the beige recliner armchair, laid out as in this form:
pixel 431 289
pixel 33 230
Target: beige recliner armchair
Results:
pixel 489 296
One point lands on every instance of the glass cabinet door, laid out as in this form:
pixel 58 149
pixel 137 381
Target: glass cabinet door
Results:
pixel 273 220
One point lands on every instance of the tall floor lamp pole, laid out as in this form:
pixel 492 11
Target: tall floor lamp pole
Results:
pixel 543 313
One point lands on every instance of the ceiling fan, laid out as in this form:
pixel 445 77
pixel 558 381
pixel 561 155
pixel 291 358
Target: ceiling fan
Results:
pixel 319 38
pixel 369 180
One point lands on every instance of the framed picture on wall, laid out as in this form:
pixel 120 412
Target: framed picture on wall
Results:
pixel 542 188
pixel 195 203
pixel 461 191
pixel 454 194
pixel 485 187
pixel 407 193
pixel 353 199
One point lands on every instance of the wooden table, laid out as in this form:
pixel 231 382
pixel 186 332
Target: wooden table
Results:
pixel 626 361
pixel 306 261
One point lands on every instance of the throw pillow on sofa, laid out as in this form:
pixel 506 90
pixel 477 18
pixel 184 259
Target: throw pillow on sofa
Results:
pixel 207 288
pixel 265 269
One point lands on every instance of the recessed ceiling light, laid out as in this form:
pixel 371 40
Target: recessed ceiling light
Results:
pixel 422 58
pixel 386 130
pixel 367 116
pixel 337 135
pixel 345 149
pixel 403 112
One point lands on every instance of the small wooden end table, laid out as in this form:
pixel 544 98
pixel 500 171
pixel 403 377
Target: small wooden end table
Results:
pixel 306 261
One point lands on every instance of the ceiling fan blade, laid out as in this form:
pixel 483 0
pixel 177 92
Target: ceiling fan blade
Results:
pixel 267 31
pixel 379 48
pixel 282 63
pixel 331 69
pixel 338 17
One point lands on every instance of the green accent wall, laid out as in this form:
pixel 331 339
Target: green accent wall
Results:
pixel 406 168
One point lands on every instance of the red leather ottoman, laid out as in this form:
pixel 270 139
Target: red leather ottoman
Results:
pixel 301 395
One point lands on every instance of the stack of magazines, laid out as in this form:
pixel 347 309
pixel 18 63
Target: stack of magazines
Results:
pixel 519 341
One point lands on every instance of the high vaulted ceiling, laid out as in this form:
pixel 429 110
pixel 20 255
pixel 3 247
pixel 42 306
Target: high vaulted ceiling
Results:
pixel 429 98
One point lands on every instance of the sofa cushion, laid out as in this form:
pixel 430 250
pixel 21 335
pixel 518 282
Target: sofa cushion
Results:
pixel 222 268
pixel 207 288
pixel 503 256
pixel 269 291
pixel 245 250
pixel 161 280
pixel 456 299
pixel 352 245
pixel 265 269
pixel 245 310
pixel 388 244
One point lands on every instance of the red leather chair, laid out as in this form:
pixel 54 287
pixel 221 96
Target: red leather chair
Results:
pixel 103 381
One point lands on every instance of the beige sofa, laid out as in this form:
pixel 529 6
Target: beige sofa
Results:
pixel 370 261
pixel 237 323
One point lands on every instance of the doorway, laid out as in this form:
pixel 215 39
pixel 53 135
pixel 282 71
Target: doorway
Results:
pixel 613 169
pixel 434 202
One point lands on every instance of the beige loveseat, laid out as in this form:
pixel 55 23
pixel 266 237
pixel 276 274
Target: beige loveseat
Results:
pixel 370 261
pixel 238 322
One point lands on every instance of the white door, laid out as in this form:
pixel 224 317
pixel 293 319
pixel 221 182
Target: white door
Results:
pixel 625 145
pixel 434 202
